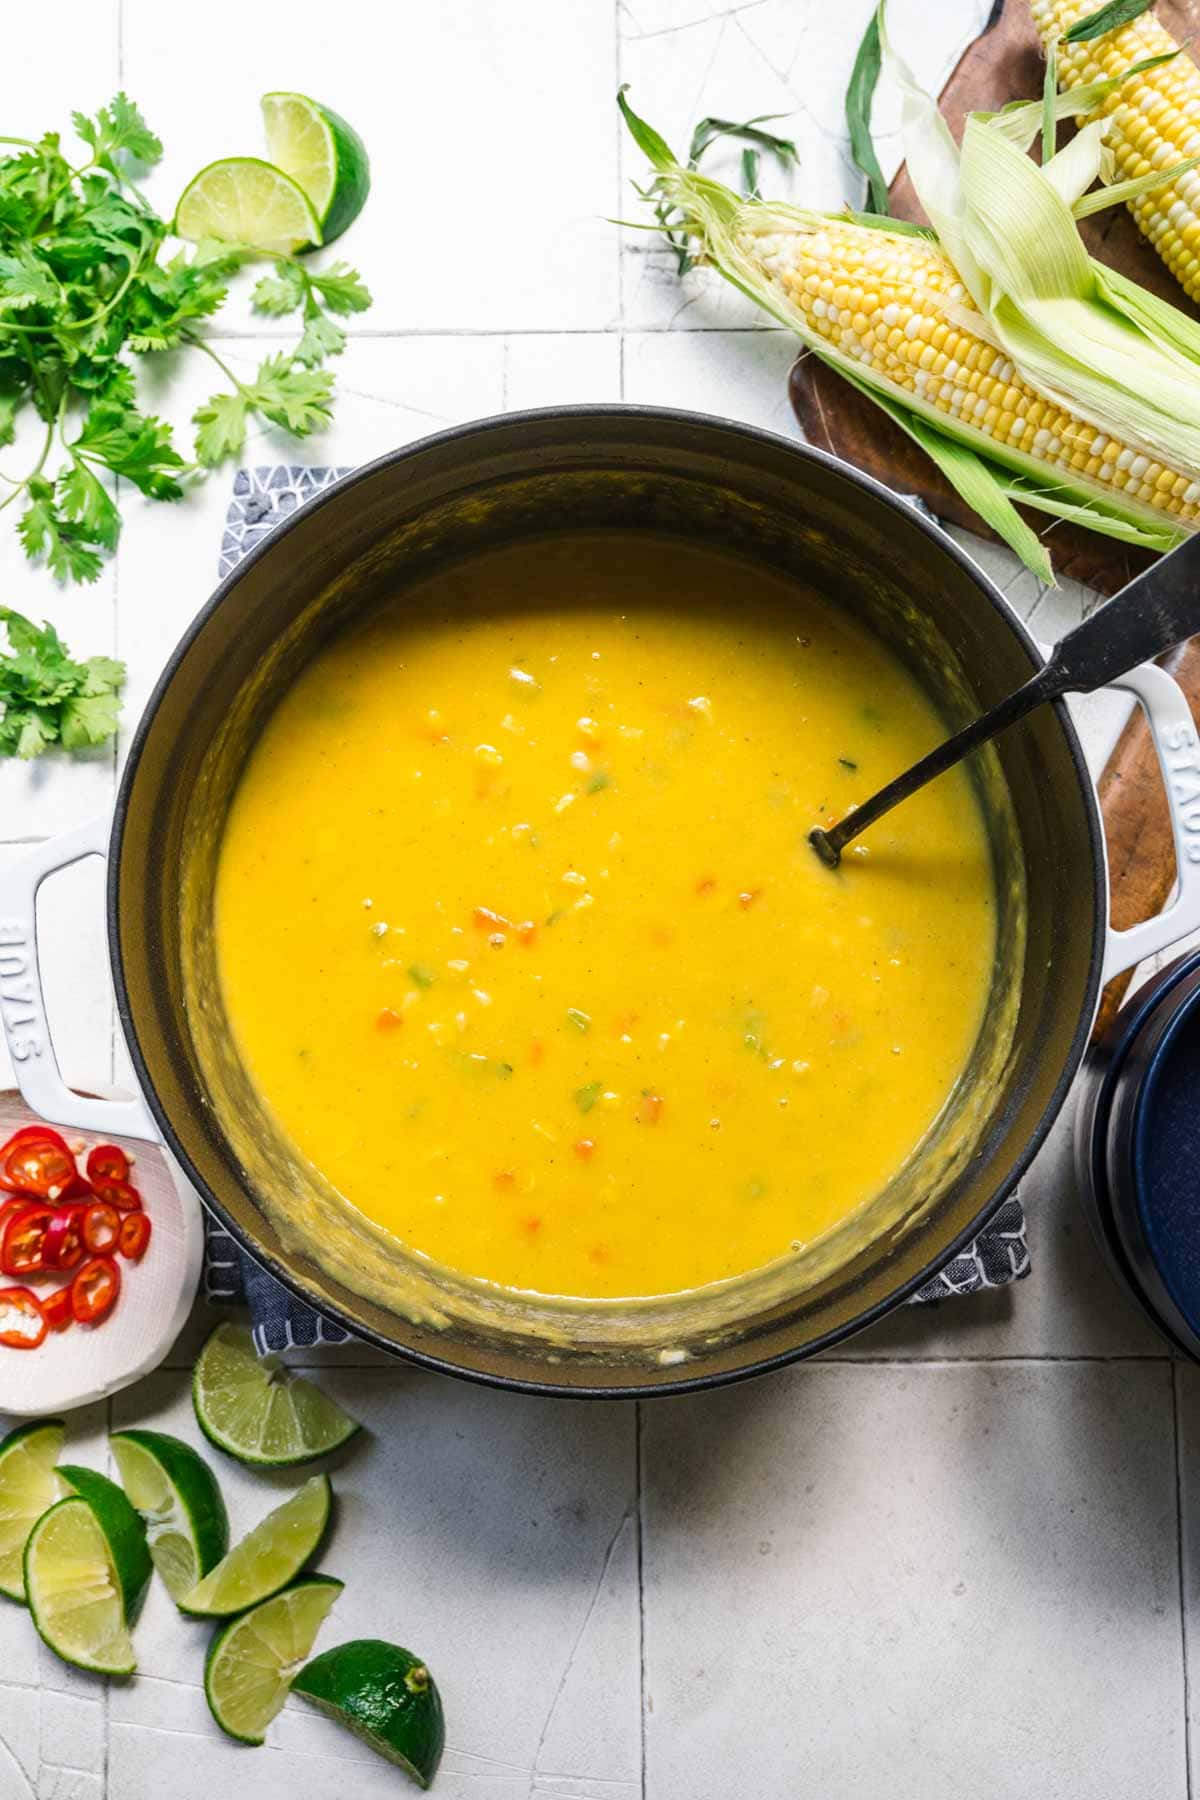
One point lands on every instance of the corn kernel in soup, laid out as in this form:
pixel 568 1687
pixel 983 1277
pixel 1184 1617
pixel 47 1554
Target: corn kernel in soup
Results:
pixel 524 946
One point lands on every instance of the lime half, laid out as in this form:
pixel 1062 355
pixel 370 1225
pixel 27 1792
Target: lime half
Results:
pixel 123 1530
pixel 252 1660
pixel 28 1485
pixel 74 1591
pixel 255 1409
pixel 384 1695
pixel 324 155
pixel 243 200
pixel 177 1495
pixel 268 1557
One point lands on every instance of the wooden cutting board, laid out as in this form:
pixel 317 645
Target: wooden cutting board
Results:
pixel 1005 63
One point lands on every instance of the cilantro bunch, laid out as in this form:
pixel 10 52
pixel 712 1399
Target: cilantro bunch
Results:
pixel 50 699
pixel 86 288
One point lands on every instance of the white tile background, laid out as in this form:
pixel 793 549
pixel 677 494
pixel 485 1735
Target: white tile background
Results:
pixel 959 1558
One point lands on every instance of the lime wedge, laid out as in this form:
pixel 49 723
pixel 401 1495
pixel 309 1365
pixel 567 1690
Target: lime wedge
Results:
pixel 123 1530
pixel 255 1409
pixel 28 1485
pixel 385 1696
pixel 177 1495
pixel 74 1591
pixel 324 155
pixel 243 200
pixel 268 1557
pixel 252 1659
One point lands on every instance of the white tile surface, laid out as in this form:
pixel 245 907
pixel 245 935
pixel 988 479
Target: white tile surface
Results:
pixel 917 1584
pixel 945 1563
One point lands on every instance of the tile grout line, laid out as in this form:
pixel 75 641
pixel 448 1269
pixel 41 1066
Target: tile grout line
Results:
pixel 641 1585
pixel 229 334
pixel 618 234
pixel 1182 1560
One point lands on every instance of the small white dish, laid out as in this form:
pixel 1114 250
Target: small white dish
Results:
pixel 88 1362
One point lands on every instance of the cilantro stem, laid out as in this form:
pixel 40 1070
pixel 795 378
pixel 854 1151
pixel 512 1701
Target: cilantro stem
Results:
pixel 19 487
pixel 199 343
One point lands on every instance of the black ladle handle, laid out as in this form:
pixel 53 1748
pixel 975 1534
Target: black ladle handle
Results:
pixel 1151 614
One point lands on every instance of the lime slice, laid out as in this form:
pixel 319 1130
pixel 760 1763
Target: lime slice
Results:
pixel 268 1557
pixel 257 1410
pixel 251 1661
pixel 323 154
pixel 123 1530
pixel 74 1591
pixel 28 1485
pixel 243 200
pixel 177 1495
pixel 384 1695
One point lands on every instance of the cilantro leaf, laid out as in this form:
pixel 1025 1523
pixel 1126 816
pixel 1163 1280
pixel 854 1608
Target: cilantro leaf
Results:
pixel 341 288
pixel 282 292
pixel 321 338
pixel 84 501
pixel 44 531
pixel 297 399
pixel 25 281
pixel 118 126
pixel 49 698
pixel 134 445
pixel 222 427
pixel 88 719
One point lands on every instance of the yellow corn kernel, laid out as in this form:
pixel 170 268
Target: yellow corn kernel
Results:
pixel 1153 122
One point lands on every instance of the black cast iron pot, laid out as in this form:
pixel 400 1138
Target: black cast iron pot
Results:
pixel 783 505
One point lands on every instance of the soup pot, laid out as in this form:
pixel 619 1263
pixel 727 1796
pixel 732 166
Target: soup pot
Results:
pixel 775 503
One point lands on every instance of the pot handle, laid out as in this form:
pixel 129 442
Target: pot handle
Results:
pixel 1178 745
pixel 23 1005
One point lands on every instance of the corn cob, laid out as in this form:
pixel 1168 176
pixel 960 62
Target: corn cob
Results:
pixel 894 304
pixel 1155 122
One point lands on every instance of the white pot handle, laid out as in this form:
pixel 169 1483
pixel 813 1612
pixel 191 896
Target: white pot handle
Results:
pixel 23 1005
pixel 1178 747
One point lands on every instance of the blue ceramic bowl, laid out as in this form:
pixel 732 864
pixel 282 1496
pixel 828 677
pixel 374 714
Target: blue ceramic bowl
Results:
pixel 1137 1149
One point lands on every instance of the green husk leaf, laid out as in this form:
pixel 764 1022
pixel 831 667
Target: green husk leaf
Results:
pixel 654 147
pixel 1121 192
pixel 710 131
pixel 1049 113
pixel 1166 324
pixel 1072 171
pixel 978 482
pixel 1107 18
pixel 860 93
pixel 901 227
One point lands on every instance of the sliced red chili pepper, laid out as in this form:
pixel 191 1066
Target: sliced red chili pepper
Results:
pixel 121 1194
pixel 34 1134
pixel 38 1165
pixel 22 1321
pixel 135 1235
pixel 63 1244
pixel 94 1290
pixel 107 1162
pixel 24 1236
pixel 101 1227
pixel 17 1203
pixel 57 1309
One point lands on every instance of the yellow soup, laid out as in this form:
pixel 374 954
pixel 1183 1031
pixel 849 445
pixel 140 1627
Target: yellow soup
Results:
pixel 523 944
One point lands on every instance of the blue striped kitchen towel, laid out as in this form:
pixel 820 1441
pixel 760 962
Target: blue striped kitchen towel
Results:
pixel 999 1255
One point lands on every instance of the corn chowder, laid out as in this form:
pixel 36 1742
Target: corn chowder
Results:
pixel 522 942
